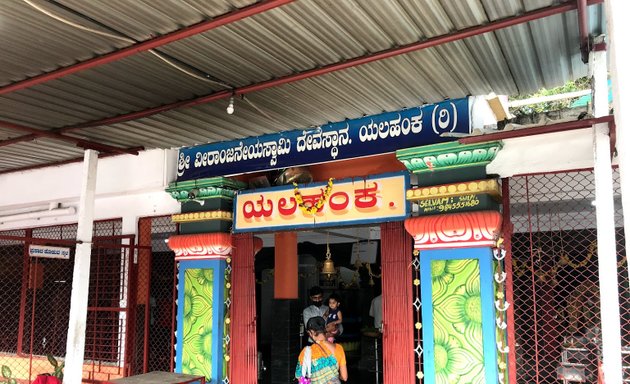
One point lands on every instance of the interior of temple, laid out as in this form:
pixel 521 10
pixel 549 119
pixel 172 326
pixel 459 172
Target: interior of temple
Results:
pixel 355 278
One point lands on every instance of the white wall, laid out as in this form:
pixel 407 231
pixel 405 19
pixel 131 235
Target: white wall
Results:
pixel 544 153
pixel 128 187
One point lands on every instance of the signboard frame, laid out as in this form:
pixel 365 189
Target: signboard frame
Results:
pixel 48 252
pixel 349 139
pixel 400 196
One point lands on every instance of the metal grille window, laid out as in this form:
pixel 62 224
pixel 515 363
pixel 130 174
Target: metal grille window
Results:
pixel 556 290
pixel 11 264
pixel 35 297
pixel 155 315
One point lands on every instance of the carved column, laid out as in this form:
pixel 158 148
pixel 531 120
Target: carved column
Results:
pixel 457 284
pixel 201 314
pixel 203 252
pixel 459 272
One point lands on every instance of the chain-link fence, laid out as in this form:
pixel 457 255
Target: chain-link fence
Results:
pixel 155 315
pixel 35 298
pixel 556 282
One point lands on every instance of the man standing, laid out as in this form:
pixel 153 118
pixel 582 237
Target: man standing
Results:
pixel 376 311
pixel 317 307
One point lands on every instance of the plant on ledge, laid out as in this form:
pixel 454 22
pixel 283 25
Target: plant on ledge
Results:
pixel 7 376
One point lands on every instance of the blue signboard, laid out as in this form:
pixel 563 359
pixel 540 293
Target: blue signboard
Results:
pixel 370 135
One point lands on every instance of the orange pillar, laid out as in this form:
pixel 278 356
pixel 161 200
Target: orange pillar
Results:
pixel 398 353
pixel 286 266
pixel 243 349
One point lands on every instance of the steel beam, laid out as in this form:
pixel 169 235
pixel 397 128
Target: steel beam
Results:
pixel 417 46
pixel 432 42
pixel 204 26
pixel 56 136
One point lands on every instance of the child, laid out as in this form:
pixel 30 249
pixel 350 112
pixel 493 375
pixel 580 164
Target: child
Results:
pixel 333 317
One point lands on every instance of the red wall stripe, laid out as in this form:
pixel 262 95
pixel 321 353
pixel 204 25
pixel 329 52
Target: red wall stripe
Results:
pixel 398 348
pixel 244 351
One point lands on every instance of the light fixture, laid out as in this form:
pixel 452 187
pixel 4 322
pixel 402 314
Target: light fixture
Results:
pixel 230 107
pixel 328 268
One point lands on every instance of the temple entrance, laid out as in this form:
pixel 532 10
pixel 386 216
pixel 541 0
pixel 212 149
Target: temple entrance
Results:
pixel 356 280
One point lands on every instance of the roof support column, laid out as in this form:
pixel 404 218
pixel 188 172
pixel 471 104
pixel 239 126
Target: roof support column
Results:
pixel 605 214
pixel 620 58
pixel 75 346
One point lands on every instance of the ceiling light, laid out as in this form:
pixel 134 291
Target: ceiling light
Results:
pixel 230 107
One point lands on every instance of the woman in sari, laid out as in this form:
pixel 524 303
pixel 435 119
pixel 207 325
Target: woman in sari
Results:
pixel 327 360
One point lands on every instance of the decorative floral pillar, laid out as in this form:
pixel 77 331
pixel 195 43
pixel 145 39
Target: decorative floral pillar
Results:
pixel 459 279
pixel 203 252
pixel 202 261
pixel 457 285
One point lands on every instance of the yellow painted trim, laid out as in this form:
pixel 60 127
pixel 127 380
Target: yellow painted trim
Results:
pixel 201 216
pixel 490 187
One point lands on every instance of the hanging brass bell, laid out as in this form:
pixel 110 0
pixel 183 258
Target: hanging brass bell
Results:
pixel 328 269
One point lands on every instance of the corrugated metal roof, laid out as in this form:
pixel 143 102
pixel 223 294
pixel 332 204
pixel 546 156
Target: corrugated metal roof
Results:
pixel 300 36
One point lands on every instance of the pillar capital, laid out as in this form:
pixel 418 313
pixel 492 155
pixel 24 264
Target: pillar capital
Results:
pixel 448 156
pixel 455 230
pixel 206 204
pixel 202 189
pixel 201 246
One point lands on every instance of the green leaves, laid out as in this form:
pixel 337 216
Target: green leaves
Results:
pixel 570 86
pixel 57 368
pixel 52 360
pixel 6 372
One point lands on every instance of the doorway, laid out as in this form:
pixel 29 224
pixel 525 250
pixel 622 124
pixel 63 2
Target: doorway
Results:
pixel 355 253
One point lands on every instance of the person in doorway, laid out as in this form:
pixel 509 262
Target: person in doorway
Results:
pixel 376 311
pixel 315 309
pixel 327 361
pixel 334 318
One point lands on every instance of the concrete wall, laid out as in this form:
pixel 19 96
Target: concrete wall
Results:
pixel 128 187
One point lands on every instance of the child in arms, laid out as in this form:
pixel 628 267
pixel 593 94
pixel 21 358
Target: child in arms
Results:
pixel 334 318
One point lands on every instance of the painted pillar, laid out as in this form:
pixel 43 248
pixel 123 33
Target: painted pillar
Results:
pixel 460 270
pixel 75 346
pixel 398 361
pixel 202 260
pixel 203 252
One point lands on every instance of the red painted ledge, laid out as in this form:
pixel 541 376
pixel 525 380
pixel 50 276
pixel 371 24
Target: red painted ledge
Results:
pixel 455 230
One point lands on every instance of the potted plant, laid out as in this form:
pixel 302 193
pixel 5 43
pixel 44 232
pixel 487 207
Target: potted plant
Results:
pixel 56 377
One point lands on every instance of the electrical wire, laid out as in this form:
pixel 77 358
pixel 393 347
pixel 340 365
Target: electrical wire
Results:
pixel 169 62
pixel 127 40
pixel 75 25
pixel 153 52
pixel 260 110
